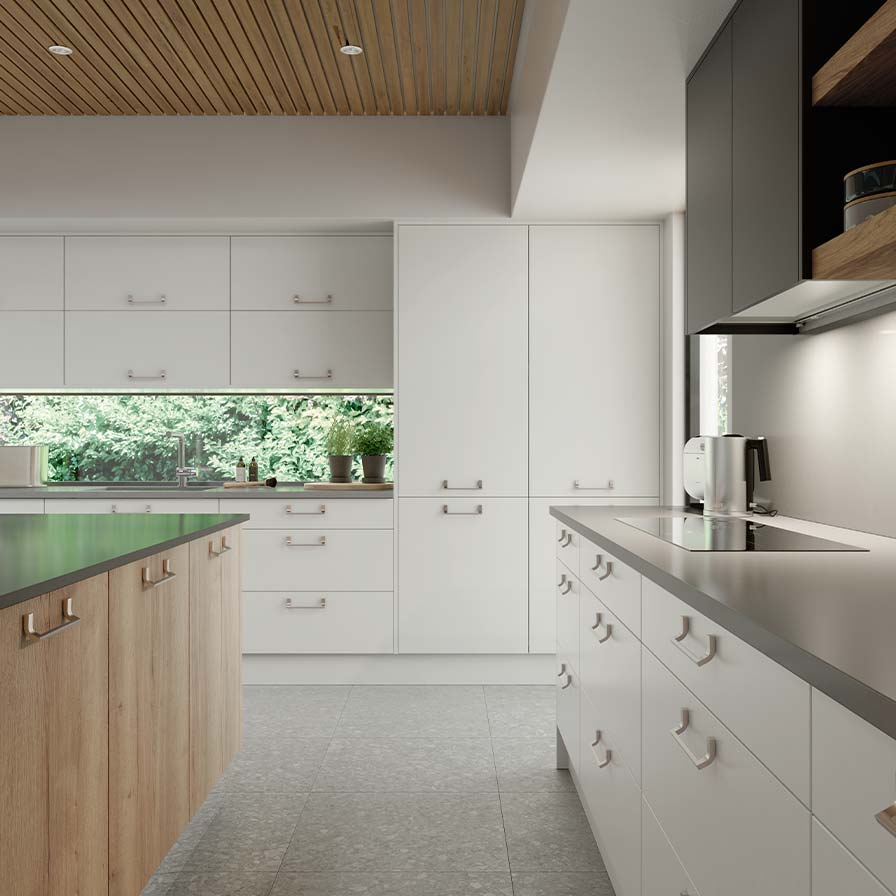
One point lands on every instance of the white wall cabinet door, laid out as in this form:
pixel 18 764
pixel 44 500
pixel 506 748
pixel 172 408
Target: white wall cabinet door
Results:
pixel 462 366
pixel 179 273
pixel 462 575
pixel 313 350
pixel 336 273
pixel 594 360
pixel 31 349
pixel 30 273
pixel 147 349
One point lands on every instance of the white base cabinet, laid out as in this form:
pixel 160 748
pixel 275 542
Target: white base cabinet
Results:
pixel 662 874
pixel 837 873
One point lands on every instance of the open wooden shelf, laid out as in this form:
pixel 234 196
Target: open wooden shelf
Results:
pixel 867 252
pixel 863 71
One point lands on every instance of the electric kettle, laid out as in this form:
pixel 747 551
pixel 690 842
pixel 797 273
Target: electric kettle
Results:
pixel 720 471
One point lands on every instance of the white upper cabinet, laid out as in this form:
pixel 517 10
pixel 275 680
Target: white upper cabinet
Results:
pixel 594 295
pixel 462 367
pixel 333 273
pixel 30 273
pixel 121 273
pixel 31 349
pixel 312 350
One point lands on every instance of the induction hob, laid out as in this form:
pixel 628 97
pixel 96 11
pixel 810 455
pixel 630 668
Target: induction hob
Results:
pixel 699 533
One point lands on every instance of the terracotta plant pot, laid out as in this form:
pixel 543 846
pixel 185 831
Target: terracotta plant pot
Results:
pixel 374 467
pixel 340 468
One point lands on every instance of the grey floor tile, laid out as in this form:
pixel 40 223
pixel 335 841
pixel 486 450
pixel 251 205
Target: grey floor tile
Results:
pixel 548 832
pixel 581 884
pixel 222 883
pixel 191 835
pixel 398 832
pixel 521 710
pixel 249 833
pixel 412 883
pixel 279 765
pixel 528 765
pixel 380 765
pixel 159 885
pixel 283 711
pixel 415 711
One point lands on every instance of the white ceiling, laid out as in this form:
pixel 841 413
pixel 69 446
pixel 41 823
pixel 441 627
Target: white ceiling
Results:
pixel 609 141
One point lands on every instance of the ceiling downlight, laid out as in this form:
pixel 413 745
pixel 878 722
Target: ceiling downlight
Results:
pixel 60 50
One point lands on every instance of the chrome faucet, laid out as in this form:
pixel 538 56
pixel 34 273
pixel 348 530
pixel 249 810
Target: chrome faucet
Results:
pixel 184 473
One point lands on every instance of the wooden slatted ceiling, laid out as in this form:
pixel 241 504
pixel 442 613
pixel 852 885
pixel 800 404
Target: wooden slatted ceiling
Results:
pixel 257 57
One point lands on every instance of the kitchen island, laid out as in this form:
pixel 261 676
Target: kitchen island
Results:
pixel 120 706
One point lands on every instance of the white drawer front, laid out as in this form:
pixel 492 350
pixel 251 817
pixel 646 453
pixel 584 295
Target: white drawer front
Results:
pixel 21 505
pixel 568 542
pixel 132 505
pixel 123 273
pixel 317 622
pixel 568 590
pixel 837 873
pixel 735 827
pixel 315 349
pixel 336 273
pixel 853 779
pixel 764 704
pixel 568 698
pixel 613 799
pixel 312 513
pixel 32 273
pixel 610 669
pixel 617 585
pixel 31 349
pixel 147 349
pixel 317 559
pixel 662 872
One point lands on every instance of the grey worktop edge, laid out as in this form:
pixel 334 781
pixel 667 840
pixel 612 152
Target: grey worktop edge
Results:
pixel 87 492
pixel 20 595
pixel 869 704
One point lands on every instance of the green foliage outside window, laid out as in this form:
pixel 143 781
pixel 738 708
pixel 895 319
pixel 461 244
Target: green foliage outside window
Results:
pixel 123 437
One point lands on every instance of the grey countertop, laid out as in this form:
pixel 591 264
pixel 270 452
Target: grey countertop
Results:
pixel 292 491
pixel 827 617
pixel 40 553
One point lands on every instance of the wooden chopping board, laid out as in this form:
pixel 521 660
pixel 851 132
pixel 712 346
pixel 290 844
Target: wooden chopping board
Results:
pixel 348 486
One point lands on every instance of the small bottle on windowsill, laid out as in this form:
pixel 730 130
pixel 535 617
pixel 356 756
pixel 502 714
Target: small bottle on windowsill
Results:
pixel 240 473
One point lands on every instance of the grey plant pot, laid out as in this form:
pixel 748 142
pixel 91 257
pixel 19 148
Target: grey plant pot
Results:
pixel 340 468
pixel 374 466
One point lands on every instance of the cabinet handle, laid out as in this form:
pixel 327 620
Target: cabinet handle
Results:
pixel 291 512
pixel 461 488
pixel 476 512
pixel 887 817
pixel 320 605
pixel 306 544
pixel 594 488
pixel 167 575
pixel 563 687
pixel 567 582
pixel 298 300
pixel 297 374
pixel 69 621
pixel 608 627
pixel 699 761
pixel 685 631
pixel 607 567
pixel 161 375
pixel 565 539
pixel 608 754
pixel 161 300
pixel 562 671
pixel 224 547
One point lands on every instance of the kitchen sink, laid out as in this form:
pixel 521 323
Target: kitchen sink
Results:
pixel 155 487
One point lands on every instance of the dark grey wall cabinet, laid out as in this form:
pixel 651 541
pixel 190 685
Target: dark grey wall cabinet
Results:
pixel 766 151
pixel 709 191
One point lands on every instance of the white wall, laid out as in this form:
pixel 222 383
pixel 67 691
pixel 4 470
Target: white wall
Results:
pixel 261 168
pixel 827 403
pixel 673 360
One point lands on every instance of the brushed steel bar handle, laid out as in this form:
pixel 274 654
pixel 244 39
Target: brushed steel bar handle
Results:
pixel 594 488
pixel 476 512
pixel 161 300
pixel 291 512
pixel 167 575
pixel 298 300
pixel 563 687
pixel 161 375
pixel 566 582
pixel 69 621
pixel 700 762
pixel 462 488
pixel 608 754
pixel 608 627
pixel 887 818
pixel 224 547
pixel 320 605
pixel 306 544
pixel 685 631
pixel 565 539
pixel 298 375
pixel 607 567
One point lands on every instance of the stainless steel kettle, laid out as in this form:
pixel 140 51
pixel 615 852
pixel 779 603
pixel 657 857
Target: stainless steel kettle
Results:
pixel 720 471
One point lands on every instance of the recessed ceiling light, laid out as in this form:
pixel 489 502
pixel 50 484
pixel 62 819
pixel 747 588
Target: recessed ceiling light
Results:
pixel 351 50
pixel 59 50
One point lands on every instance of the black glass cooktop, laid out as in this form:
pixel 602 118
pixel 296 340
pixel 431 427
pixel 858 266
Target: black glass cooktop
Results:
pixel 698 533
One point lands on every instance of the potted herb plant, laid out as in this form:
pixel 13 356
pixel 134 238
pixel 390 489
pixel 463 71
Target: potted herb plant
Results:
pixel 340 444
pixel 373 443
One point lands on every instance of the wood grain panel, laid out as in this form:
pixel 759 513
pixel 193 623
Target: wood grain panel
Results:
pixel 258 57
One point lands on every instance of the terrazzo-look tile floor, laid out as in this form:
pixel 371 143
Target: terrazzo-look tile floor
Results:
pixel 390 791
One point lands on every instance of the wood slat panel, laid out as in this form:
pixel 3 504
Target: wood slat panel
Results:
pixel 258 57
